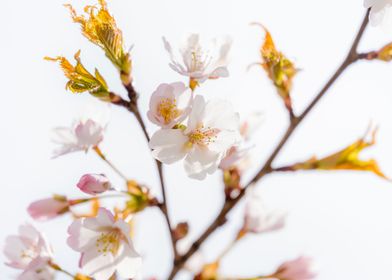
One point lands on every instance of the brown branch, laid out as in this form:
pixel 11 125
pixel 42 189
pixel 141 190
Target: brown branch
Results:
pixel 229 204
pixel 132 106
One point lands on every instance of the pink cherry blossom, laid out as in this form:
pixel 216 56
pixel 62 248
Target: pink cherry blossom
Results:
pixel 301 268
pixel 82 136
pixel 38 269
pixel 25 251
pixel 48 208
pixel 170 104
pixel 258 218
pixel 212 129
pixel 105 246
pixel 201 61
pixel 94 184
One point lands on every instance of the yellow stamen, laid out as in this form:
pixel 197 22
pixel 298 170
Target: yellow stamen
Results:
pixel 167 109
pixel 109 242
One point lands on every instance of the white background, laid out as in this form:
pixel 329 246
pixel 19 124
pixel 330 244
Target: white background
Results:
pixel 342 219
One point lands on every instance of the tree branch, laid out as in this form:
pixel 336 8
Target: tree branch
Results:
pixel 133 107
pixel 352 57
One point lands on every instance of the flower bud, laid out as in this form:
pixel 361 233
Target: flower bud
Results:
pixel 93 184
pixel 48 208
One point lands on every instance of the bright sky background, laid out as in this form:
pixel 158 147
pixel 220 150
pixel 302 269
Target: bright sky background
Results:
pixel 342 219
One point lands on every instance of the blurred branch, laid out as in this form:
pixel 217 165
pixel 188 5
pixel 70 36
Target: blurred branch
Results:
pixel 229 204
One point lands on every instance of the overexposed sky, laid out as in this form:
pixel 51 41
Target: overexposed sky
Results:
pixel 342 219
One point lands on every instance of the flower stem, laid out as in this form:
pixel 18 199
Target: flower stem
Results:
pixel 352 57
pixel 103 157
pixel 58 268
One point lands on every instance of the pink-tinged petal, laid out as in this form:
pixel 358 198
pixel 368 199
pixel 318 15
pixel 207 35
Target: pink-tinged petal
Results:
pixel 103 219
pixel 301 268
pixel 168 145
pixel 220 72
pixel 48 208
pixel 13 249
pixel 38 269
pixel 89 134
pixel 128 262
pixel 98 265
pixel 93 184
pixel 81 238
pixel 258 218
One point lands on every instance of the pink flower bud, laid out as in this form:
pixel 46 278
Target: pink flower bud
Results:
pixel 93 183
pixel 48 208
pixel 301 268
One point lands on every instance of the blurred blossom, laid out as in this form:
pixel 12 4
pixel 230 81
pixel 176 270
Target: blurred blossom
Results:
pixel 30 252
pixel 238 156
pixel 38 269
pixel 79 137
pixel 93 183
pixel 48 208
pixel 200 61
pixel 86 132
pixel 212 129
pixel 301 268
pixel 258 218
pixel 170 104
pixel 105 245
pixel 380 12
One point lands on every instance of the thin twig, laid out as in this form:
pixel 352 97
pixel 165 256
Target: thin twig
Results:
pixel 133 107
pixel 108 162
pixel 266 169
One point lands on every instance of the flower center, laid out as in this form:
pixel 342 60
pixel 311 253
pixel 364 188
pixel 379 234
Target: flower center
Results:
pixel 168 110
pixel 108 242
pixel 199 60
pixel 203 136
pixel 29 253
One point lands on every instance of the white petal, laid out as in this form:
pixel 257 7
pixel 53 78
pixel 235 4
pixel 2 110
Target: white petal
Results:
pixel 100 266
pixel 168 145
pixel 197 113
pixel 128 262
pixel 220 72
pixel 200 162
pixel 220 114
pixel 224 141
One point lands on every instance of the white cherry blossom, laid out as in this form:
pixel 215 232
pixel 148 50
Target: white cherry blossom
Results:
pixel 380 11
pixel 200 61
pixel 212 129
pixel 105 246
pixel 259 218
pixel 170 104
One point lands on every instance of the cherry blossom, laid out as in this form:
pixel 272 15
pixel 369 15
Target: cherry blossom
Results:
pixel 301 268
pixel 201 62
pixel 81 136
pixel 94 184
pixel 170 104
pixel 212 129
pixel 238 156
pixel 378 10
pixel 38 269
pixel 48 208
pixel 29 251
pixel 105 246
pixel 258 218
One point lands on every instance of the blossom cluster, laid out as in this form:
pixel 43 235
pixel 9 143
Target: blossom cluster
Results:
pixel 206 134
